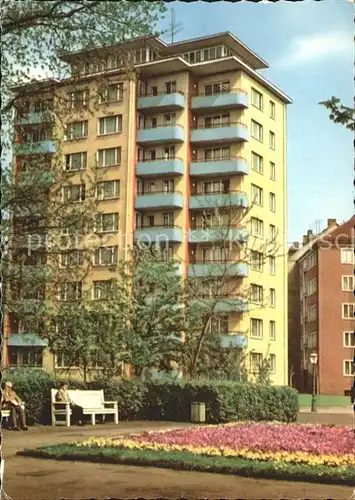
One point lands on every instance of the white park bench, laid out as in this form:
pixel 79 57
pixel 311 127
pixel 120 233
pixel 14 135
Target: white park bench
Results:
pixel 92 403
pixel 6 413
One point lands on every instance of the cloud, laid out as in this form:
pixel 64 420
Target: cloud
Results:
pixel 316 48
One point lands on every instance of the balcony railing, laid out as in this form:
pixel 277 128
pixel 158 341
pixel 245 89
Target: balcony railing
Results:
pixel 218 158
pixel 163 226
pixel 197 192
pixel 223 91
pixel 159 158
pixel 160 125
pixel 219 125
pixel 163 92
pixel 216 226
pixel 144 193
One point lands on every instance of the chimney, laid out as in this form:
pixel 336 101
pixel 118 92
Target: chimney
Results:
pixel 331 222
pixel 304 239
pixel 293 248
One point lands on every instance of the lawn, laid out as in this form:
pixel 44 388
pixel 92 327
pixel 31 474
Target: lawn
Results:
pixel 322 401
pixel 323 454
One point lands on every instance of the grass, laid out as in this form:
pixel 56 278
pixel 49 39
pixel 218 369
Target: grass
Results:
pixel 323 401
pixel 191 462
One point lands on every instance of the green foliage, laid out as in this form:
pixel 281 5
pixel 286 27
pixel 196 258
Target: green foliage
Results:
pixel 340 113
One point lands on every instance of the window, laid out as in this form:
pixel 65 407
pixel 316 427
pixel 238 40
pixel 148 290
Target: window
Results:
pixel 78 99
pixel 272 140
pixel 76 130
pixel 272 363
pixel 257 227
pixel 167 253
pixel 272 202
pixel 105 256
pixel 111 93
pixel 312 340
pixel 217 88
pixel 311 260
pixel 272 330
pixel 170 87
pixel 348 367
pixel 256 359
pixel 257 294
pixel 102 289
pixel 70 290
pixel 169 119
pixel 169 152
pixel 108 157
pixel 312 286
pixel 272 297
pixel 168 219
pixel 106 223
pixel 348 311
pixel 37 134
pixel 217 121
pixel 107 190
pixel 272 171
pixel 22 356
pixel 257 195
pixel 67 359
pixel 272 265
pixel 73 194
pixel 257 130
pixel 75 161
pixel 347 283
pixel 272 232
pixel 257 99
pixel 347 256
pixel 256 328
pixel 272 110
pixel 257 162
pixel 219 324
pixel 72 258
pixel 257 260
pixel 215 153
pixel 349 339
pixel 110 124
pixel 312 313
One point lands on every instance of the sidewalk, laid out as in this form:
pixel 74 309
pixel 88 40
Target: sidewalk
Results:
pixel 330 409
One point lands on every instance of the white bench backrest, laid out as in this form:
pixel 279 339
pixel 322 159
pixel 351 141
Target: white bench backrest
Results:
pixel 85 399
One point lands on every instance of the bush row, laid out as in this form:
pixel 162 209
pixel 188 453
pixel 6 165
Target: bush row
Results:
pixel 138 400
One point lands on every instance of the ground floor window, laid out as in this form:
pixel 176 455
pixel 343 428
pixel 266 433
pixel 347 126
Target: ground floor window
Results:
pixel 26 356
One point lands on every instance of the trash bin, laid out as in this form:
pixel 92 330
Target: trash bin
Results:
pixel 198 412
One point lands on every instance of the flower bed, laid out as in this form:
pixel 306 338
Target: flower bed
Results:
pixel 308 444
pixel 285 451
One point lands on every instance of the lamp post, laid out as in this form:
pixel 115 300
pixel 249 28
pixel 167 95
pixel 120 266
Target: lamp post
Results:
pixel 313 359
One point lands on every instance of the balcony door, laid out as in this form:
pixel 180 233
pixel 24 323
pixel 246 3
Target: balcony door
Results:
pixel 168 186
pixel 168 219
pixel 169 152
pixel 170 87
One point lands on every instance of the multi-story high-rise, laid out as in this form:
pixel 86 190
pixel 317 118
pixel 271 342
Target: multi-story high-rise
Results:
pixel 196 129
pixel 321 309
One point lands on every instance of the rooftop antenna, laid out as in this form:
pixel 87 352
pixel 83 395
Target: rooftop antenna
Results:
pixel 175 28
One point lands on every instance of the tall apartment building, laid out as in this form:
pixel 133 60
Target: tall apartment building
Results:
pixel 199 128
pixel 321 308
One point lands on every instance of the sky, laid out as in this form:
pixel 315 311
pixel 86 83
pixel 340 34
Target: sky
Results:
pixel 309 48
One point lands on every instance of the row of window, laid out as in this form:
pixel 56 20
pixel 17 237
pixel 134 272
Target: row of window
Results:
pixel 347 285
pixel 104 158
pixel 106 190
pixel 257 262
pixel 102 256
pixel 346 257
pixel 257 295
pixel 257 100
pixel 257 132
pixel 347 310
pixel 257 164
pixel 257 196
pixel 348 339
pixel 257 326
pixel 256 362
pixel 257 228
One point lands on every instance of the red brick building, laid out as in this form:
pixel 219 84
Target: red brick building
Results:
pixel 321 309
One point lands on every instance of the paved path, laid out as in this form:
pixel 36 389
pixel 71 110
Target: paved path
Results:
pixel 35 479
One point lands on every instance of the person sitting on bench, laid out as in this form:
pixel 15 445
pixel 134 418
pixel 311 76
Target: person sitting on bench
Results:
pixel 11 401
pixel 62 396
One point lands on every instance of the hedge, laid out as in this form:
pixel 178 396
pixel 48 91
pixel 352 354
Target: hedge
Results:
pixel 138 400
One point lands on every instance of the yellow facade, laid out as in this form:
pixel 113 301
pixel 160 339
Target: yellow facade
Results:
pixel 238 67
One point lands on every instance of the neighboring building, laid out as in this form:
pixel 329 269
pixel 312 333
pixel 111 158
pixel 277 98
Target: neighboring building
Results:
pixel 201 119
pixel 321 309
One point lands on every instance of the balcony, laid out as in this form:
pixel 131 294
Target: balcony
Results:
pixel 233 165
pixel 236 340
pixel 218 233
pixel 159 234
pixel 162 102
pixel 26 340
pixel 33 118
pixel 160 166
pixel 230 199
pixel 225 132
pixel 37 178
pixel 159 199
pixel 164 133
pixel 217 268
pixel 224 304
pixel 226 100
pixel 30 148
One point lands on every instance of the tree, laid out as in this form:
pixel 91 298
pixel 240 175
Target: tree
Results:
pixel 340 113
pixel 225 256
